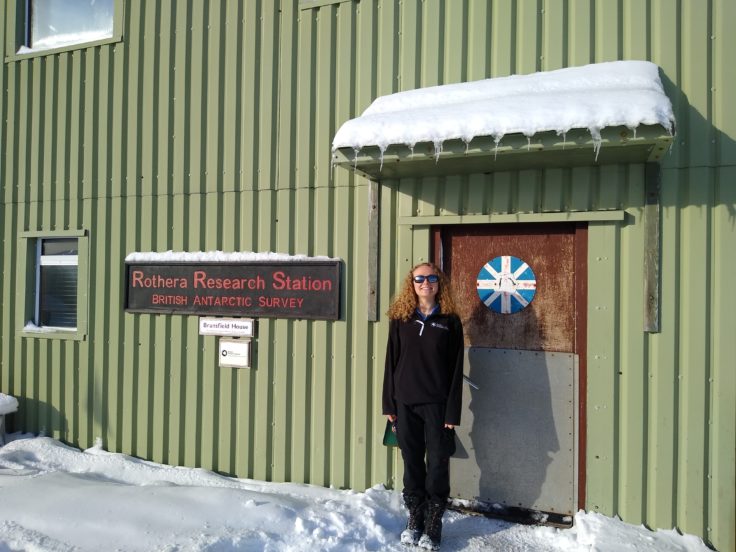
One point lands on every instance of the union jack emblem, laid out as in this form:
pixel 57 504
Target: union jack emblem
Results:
pixel 506 284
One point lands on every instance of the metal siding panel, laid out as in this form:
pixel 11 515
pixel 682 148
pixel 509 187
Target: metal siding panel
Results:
pixel 180 128
pixel 324 94
pixel 344 82
pixel 603 391
pixel 387 57
pixel 430 52
pixel 631 369
pixel 607 28
pixel 555 39
pixel 213 92
pixel 426 194
pixel 528 37
pixel 454 46
pixel 501 187
pixel 581 25
pixel 196 105
pixel 722 422
pixel 304 90
pixel 553 186
pixel 164 105
pixel 89 116
pixel 46 143
pixel 98 278
pixel 250 94
pixel 36 92
pixel 264 430
pixel 451 194
pixel 23 140
pixel 635 35
pixel 284 361
pixel 503 28
pixel 286 138
pixel 409 46
pixel 10 134
pixel 694 119
pixel 301 353
pixel 527 190
pixel 694 393
pixel 340 366
pixel 583 181
pixel 609 186
pixel 476 194
pixel 723 85
pixel 192 396
pixel 362 413
pixel 208 391
pixel 666 52
pixel 478 40
pixel 118 122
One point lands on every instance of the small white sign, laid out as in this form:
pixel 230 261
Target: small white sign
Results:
pixel 231 327
pixel 235 353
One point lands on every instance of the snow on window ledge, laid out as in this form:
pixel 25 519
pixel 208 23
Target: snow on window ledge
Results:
pixel 65 40
pixel 32 328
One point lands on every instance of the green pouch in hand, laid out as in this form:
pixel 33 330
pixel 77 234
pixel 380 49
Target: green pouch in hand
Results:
pixel 389 435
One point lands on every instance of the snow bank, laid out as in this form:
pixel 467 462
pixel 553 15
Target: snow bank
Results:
pixel 8 404
pixel 55 498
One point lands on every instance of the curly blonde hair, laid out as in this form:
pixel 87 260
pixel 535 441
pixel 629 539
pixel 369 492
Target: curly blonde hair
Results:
pixel 404 302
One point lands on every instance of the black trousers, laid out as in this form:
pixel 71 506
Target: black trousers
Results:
pixel 420 430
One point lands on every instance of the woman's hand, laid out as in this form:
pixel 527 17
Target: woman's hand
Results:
pixel 391 418
pixel 449 426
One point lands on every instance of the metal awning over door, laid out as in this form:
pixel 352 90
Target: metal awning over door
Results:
pixel 482 155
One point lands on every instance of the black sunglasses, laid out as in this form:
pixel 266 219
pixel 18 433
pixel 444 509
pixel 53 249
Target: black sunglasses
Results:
pixel 432 278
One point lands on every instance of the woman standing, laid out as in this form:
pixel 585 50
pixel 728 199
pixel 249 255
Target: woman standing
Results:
pixel 422 395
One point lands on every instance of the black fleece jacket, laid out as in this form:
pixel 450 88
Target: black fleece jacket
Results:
pixel 424 364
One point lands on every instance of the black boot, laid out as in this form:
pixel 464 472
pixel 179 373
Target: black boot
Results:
pixel 415 524
pixel 432 536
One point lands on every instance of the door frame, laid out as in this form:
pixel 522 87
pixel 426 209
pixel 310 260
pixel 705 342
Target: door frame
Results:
pixel 581 335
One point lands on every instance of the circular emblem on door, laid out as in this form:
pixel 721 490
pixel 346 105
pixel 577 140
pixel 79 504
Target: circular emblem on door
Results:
pixel 506 284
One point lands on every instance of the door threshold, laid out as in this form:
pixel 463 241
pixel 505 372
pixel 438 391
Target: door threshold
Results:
pixel 514 514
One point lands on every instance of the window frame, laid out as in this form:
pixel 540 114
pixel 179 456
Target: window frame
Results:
pixel 17 35
pixel 29 277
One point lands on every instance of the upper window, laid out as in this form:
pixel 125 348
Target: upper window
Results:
pixel 53 24
pixel 50 26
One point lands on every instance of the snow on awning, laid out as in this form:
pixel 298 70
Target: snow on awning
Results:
pixel 620 103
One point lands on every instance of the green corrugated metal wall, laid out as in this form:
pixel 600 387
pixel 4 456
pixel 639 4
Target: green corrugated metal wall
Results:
pixel 209 127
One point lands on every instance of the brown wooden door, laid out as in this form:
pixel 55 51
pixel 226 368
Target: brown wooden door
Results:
pixel 549 322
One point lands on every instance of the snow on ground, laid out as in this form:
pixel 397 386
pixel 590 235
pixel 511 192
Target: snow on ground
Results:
pixel 57 498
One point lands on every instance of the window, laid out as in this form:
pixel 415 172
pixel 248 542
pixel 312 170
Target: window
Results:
pixel 56 283
pixel 52 24
pixel 53 270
